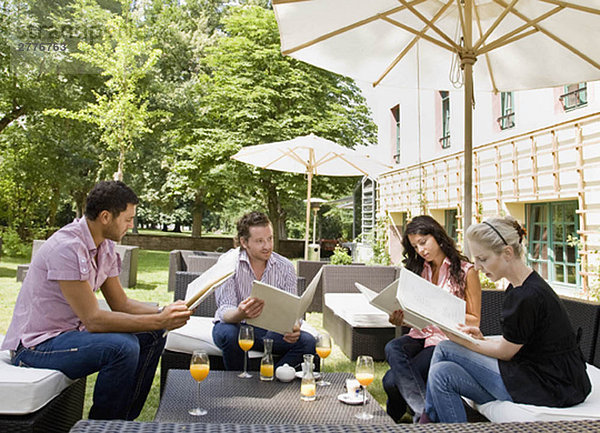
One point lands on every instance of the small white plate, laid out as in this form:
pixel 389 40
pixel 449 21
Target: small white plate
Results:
pixel 351 399
pixel 316 374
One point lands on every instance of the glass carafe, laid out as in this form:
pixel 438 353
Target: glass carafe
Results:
pixel 308 388
pixel 266 362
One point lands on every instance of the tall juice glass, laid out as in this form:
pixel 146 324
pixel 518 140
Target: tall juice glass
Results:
pixel 323 349
pixel 199 369
pixel 246 341
pixel 365 373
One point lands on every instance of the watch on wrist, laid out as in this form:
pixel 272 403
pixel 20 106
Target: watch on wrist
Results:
pixel 160 309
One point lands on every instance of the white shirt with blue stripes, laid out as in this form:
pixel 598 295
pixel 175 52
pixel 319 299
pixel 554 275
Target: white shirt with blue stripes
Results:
pixel 279 272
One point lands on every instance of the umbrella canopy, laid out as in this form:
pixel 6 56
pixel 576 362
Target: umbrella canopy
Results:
pixel 506 44
pixel 313 156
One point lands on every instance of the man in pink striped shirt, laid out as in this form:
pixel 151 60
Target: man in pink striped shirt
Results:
pixel 257 261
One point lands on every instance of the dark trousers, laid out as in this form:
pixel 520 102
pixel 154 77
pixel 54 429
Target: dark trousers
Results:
pixel 404 383
pixel 225 336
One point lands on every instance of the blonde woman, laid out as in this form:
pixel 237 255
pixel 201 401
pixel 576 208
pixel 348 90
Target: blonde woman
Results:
pixel 536 360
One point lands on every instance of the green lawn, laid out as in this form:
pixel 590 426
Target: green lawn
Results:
pixel 153 270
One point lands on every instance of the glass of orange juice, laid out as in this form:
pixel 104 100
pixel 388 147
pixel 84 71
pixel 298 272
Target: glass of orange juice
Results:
pixel 199 368
pixel 364 373
pixel 323 350
pixel 246 341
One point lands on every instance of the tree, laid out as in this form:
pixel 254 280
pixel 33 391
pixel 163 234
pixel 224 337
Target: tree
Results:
pixel 260 96
pixel 125 58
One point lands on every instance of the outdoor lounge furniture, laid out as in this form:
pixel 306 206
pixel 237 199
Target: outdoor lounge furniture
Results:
pixel 129 263
pixel 229 398
pixel 179 261
pixel 308 269
pixel 38 400
pixel 197 333
pixel 356 327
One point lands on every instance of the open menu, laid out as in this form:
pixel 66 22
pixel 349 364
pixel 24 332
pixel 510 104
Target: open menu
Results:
pixel 281 309
pixel 199 289
pixel 422 302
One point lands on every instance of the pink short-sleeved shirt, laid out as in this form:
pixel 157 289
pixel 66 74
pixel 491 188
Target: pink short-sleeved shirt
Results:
pixel 41 311
pixel 432 334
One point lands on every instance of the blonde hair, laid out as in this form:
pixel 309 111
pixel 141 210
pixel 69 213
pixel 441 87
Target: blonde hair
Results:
pixel 497 232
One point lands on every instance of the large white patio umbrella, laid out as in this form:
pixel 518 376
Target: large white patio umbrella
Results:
pixel 313 156
pixel 505 44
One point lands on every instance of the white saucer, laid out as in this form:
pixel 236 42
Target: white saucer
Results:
pixel 316 374
pixel 351 399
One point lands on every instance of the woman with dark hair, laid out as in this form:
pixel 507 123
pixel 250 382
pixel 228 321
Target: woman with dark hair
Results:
pixel 432 254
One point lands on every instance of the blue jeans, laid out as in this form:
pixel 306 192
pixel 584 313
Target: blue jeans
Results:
pixel 404 382
pixel 457 371
pixel 225 336
pixel 126 364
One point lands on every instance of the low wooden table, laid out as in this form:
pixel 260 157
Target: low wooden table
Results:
pixel 230 399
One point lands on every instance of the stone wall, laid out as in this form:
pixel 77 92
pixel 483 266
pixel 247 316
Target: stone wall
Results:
pixel 290 248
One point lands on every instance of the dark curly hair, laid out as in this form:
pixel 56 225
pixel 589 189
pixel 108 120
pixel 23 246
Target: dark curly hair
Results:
pixel 112 195
pixel 251 219
pixel 426 225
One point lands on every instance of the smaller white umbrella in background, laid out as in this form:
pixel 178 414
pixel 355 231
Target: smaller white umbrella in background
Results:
pixel 313 156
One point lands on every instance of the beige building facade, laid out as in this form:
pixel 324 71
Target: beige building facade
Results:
pixel 536 156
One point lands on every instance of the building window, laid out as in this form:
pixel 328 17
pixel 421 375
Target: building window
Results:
pixel 445 139
pixel 507 120
pixel 450 223
pixel 575 96
pixel 396 116
pixel 549 251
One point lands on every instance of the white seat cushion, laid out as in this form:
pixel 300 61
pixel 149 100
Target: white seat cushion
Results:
pixel 504 411
pixel 354 309
pixel 26 390
pixel 197 335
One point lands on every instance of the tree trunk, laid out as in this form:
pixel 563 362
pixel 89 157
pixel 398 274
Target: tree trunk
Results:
pixel 53 206
pixel 276 213
pixel 14 114
pixel 197 211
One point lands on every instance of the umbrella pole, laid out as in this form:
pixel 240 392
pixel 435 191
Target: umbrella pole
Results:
pixel 468 59
pixel 310 175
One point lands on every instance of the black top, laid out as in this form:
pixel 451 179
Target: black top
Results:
pixel 549 370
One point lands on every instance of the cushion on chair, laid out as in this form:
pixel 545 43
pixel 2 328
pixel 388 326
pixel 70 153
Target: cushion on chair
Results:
pixel 504 411
pixel 26 390
pixel 354 309
pixel 196 334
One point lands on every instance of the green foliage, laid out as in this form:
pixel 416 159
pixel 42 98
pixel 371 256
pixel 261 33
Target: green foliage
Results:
pixel 12 245
pixel 485 282
pixel 124 57
pixel 340 256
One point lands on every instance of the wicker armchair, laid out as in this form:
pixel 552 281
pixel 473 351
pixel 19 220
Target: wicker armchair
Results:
pixel 308 269
pixel 179 260
pixel 355 339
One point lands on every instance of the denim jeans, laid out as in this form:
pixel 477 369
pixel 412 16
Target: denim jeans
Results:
pixel 457 371
pixel 225 336
pixel 404 382
pixel 126 364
